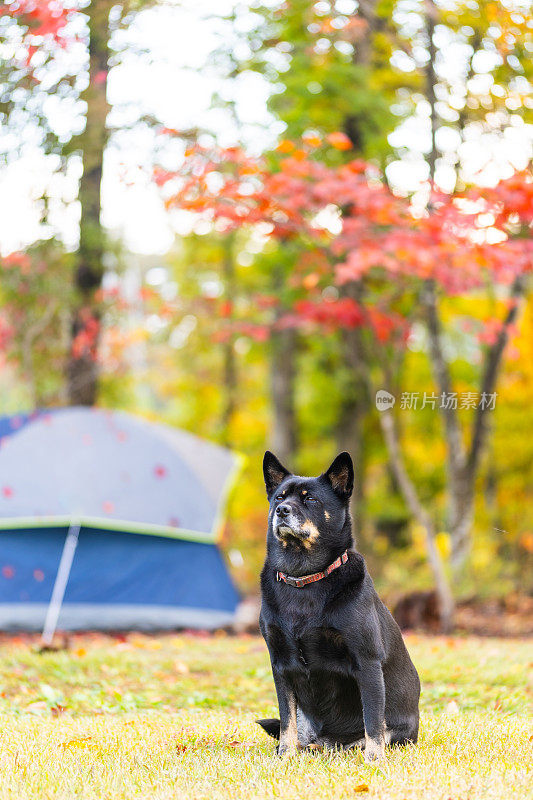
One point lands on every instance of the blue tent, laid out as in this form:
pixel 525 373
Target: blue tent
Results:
pixel 113 518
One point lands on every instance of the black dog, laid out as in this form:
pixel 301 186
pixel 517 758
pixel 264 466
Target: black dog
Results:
pixel 342 673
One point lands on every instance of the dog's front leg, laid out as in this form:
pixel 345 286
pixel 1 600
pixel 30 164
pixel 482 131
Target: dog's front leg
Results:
pixel 288 738
pixel 372 689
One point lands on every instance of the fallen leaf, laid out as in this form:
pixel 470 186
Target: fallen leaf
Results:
pixel 362 787
pixel 81 742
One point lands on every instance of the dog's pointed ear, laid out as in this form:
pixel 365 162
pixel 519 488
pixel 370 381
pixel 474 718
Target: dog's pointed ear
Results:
pixel 274 473
pixel 340 475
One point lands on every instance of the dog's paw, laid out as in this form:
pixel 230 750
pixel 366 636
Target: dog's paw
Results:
pixel 287 750
pixel 374 750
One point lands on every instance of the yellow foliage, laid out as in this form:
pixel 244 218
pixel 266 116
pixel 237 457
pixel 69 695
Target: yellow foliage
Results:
pixel 443 542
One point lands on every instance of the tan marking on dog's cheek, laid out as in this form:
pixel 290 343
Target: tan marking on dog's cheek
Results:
pixel 310 528
pixel 327 514
pixel 312 533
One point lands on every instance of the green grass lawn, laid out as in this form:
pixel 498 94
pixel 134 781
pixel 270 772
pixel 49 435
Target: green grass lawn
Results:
pixel 173 717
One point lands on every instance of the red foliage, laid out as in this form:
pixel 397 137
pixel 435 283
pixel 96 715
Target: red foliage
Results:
pixel 331 313
pixel 43 19
pixel 6 332
pixel 85 342
pixel 349 219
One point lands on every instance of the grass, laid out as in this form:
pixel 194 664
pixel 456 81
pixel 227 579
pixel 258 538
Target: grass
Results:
pixel 173 717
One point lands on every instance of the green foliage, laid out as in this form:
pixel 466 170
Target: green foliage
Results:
pixel 330 71
pixel 34 297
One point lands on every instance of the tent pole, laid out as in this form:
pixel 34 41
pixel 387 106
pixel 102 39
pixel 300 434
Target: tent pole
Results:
pixel 63 573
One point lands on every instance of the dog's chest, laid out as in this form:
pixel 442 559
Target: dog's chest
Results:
pixel 308 647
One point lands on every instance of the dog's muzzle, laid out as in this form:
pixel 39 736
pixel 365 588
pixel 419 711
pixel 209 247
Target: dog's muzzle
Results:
pixel 293 534
pixel 288 524
pixel 285 532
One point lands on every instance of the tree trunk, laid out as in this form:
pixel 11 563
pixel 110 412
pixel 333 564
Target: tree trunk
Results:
pixel 230 364
pixel 354 408
pixel 82 370
pixel 461 530
pixel 283 367
pixel 350 437
pixel 431 79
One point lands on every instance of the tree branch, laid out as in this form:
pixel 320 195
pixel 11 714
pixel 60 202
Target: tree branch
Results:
pixel 488 383
pixel 410 495
pixel 388 428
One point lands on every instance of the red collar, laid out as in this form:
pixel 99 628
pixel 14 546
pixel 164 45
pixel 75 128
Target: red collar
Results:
pixel 317 576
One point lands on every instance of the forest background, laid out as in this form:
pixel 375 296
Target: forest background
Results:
pixel 246 219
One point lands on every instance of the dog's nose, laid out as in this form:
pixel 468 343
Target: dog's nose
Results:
pixel 283 510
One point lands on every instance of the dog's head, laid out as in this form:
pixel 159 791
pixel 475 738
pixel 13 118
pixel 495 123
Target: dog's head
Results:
pixel 308 514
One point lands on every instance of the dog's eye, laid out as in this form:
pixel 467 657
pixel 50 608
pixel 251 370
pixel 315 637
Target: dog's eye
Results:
pixel 278 497
pixel 311 499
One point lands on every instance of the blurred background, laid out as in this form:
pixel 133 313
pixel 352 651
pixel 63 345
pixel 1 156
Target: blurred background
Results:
pixel 244 219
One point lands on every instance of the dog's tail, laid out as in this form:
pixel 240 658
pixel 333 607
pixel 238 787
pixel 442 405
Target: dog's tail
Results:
pixel 271 726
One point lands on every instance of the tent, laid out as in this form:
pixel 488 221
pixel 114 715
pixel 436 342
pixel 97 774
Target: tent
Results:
pixel 115 520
